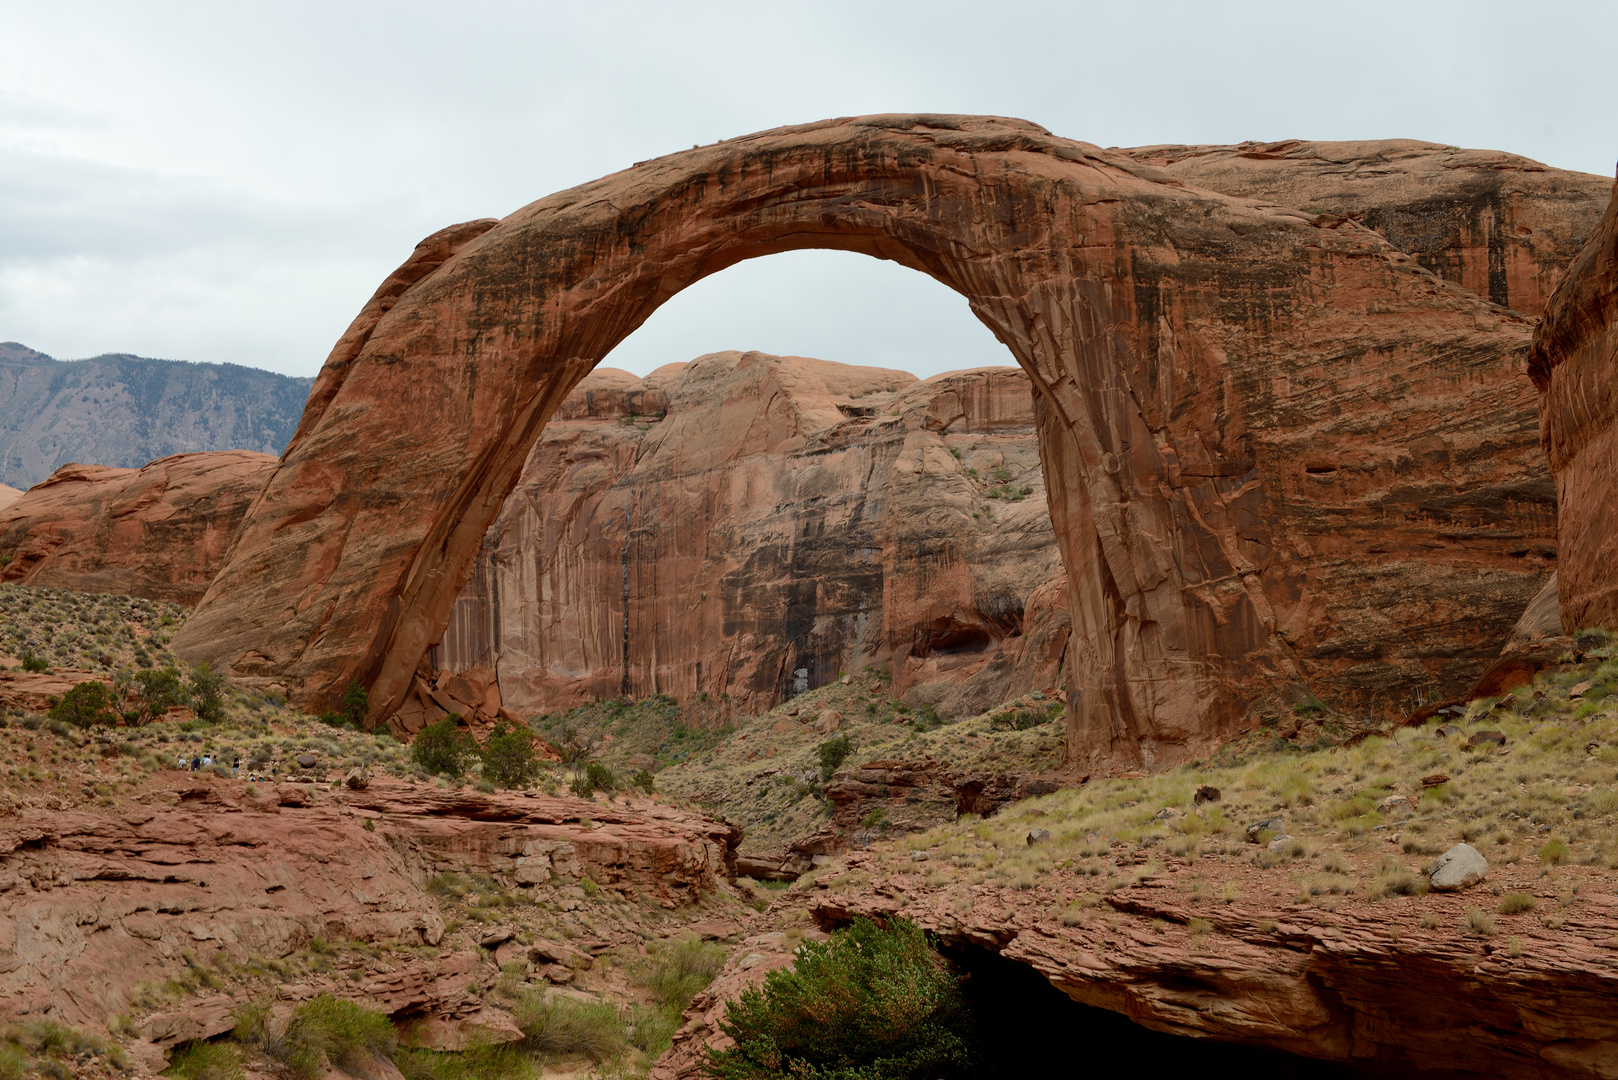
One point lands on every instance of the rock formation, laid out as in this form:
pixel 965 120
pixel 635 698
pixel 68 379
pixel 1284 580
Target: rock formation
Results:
pixel 1575 365
pixel 745 527
pixel 160 532
pixel 1502 226
pixel 93 903
pixel 1281 455
pixel 1334 987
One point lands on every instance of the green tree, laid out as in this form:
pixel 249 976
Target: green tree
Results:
pixel 833 752
pixel 157 692
pixel 206 691
pixel 87 704
pixel 508 756
pixel 444 748
pixel 356 704
pixel 871 1003
pixel 32 661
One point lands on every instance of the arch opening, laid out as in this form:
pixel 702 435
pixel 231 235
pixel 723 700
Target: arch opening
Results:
pixel 760 524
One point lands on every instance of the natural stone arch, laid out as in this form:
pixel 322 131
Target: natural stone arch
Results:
pixel 1166 329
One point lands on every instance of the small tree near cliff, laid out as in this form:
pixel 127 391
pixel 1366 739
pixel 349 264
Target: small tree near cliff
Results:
pixel 356 704
pixel 508 756
pixel 157 692
pixel 207 693
pixel 86 705
pixel 833 752
pixel 444 748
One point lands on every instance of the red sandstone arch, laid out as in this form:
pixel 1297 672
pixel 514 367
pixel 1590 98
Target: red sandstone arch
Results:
pixel 1195 356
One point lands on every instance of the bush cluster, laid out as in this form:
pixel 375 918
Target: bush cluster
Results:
pixel 873 1003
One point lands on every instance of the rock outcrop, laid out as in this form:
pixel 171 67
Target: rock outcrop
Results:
pixel 742 528
pixel 91 904
pixel 160 532
pixel 1502 226
pixel 1366 985
pixel 1281 455
pixel 1575 365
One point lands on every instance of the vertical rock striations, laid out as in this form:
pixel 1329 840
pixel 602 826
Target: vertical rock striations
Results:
pixel 745 527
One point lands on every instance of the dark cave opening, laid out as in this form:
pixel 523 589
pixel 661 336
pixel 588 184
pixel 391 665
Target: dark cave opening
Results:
pixel 1030 1028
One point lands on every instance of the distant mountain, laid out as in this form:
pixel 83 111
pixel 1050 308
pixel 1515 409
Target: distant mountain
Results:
pixel 127 410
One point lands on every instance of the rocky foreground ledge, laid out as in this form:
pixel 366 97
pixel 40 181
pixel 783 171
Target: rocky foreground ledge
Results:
pixel 95 904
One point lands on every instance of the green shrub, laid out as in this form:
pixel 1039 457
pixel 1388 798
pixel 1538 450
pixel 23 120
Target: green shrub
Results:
pixel 508 756
pixel 207 693
pixel 157 692
pixel 444 748
pixel 680 969
pixel 32 661
pixel 595 777
pixel 644 780
pixel 206 1061
pixel 833 752
pixel 563 1025
pixel 652 1029
pixel 86 705
pixel 356 705
pixel 1554 853
pixel 871 1003
pixel 326 1031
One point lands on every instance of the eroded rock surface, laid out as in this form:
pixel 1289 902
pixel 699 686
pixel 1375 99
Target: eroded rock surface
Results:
pixel 160 532
pixel 92 904
pixel 1503 226
pixel 1575 365
pixel 745 527
pixel 1281 453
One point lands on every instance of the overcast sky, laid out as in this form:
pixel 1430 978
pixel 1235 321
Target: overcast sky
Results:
pixel 230 182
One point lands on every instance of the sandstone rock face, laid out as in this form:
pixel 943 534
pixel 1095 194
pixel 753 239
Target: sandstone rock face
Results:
pixel 1279 453
pixel 745 527
pixel 160 532
pixel 1575 365
pixel 91 904
pixel 1502 226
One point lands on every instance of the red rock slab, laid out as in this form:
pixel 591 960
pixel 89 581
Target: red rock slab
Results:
pixel 1279 451
pixel 95 903
pixel 160 532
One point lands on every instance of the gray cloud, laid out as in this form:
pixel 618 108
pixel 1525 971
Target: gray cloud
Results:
pixel 212 182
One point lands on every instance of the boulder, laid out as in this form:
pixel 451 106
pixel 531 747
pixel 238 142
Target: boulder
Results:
pixel 357 779
pixel 1037 836
pixel 1272 826
pixel 1487 738
pixel 828 721
pixel 1446 731
pixel 1462 866
pixel 1205 793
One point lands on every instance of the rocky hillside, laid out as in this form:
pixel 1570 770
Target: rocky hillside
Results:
pixel 745 527
pixel 125 411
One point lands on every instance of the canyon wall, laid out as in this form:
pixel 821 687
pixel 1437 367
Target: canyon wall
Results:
pixel 1574 363
pixel 1282 457
pixel 744 527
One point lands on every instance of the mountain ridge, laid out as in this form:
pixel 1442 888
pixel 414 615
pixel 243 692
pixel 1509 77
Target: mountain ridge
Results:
pixel 123 410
